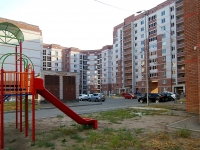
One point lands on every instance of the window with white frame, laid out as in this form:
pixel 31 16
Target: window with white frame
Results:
pixel 142 22
pixel 142 35
pixel 164 43
pixel 163 66
pixel 164 35
pixel 163 28
pixel 142 29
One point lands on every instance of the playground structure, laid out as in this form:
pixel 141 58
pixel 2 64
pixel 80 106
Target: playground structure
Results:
pixel 22 84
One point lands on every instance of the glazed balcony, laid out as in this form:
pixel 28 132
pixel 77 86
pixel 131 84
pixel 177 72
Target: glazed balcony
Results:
pixel 128 77
pixel 128 65
pixel 127 58
pixel 128 71
pixel 128 83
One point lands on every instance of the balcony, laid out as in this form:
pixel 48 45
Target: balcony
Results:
pixel 128 83
pixel 181 71
pixel 180 37
pixel 127 52
pixel 127 34
pixel 127 46
pixel 180 29
pixel 127 65
pixel 181 62
pixel 181 79
pixel 179 4
pixel 179 20
pixel 126 27
pixel 128 77
pixel 181 45
pixel 127 40
pixel 179 12
pixel 179 54
pixel 128 71
pixel 127 58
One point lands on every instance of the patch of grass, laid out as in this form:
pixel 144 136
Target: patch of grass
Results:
pixel 184 133
pixel 77 137
pixel 59 116
pixel 9 106
pixel 139 131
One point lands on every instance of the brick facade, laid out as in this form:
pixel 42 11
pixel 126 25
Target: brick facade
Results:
pixel 192 56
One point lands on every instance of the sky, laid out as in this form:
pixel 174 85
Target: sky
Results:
pixel 85 24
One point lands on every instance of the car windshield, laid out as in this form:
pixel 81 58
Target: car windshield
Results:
pixel 95 94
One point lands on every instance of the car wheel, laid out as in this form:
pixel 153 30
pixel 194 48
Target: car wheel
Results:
pixel 103 100
pixel 157 101
pixel 141 101
pixel 89 100
pixel 81 99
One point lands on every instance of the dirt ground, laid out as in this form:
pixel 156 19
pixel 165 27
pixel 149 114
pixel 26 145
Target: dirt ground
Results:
pixel 14 140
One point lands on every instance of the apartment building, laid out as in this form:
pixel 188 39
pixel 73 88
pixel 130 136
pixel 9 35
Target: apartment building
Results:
pixel 153 44
pixel 93 67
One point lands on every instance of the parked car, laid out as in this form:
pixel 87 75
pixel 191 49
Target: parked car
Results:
pixel 129 96
pixel 97 97
pixel 153 97
pixel 83 97
pixel 169 96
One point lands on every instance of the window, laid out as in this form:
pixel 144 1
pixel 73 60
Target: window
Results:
pixel 116 45
pixel 172 48
pixel 104 58
pixel 163 20
pixel 56 53
pixel 164 58
pixel 172 16
pixel 57 58
pixel 142 49
pixel 163 28
pixel 116 68
pixel 142 22
pixel 135 38
pixel 162 13
pixel 142 29
pixel 135 44
pixel 56 64
pixel 75 66
pixel 173 71
pixel 135 31
pixel 172 8
pixel 173 56
pixel 142 42
pixel 142 36
pixel 172 32
pixel 56 69
pixel 164 35
pixel 135 24
pixel 116 56
pixel 142 56
pixel 164 43
pixel 164 81
pixel 163 66
pixel 74 60
pixel 164 74
pixel 116 51
pixel 172 24
pixel 163 51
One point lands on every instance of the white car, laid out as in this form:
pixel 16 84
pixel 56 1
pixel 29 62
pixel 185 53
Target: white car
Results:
pixel 83 97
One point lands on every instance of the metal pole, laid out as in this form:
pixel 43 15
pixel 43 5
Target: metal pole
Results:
pixel 146 46
pixel 2 111
pixel 16 87
pixel 20 86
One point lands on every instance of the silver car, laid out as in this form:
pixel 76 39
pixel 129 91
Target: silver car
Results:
pixel 83 97
pixel 97 97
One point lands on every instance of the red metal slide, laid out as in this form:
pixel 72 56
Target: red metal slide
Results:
pixel 39 87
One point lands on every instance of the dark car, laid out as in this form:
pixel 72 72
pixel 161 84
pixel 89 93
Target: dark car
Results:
pixel 168 96
pixel 153 97
pixel 129 96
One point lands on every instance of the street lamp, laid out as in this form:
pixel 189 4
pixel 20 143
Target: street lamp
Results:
pixel 147 77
